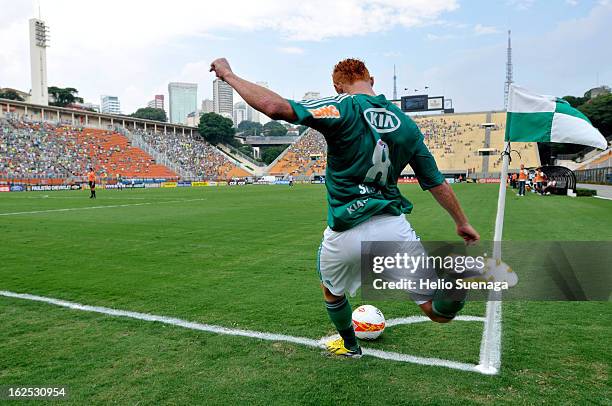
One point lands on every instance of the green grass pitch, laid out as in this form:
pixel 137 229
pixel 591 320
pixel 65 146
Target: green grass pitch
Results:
pixel 244 257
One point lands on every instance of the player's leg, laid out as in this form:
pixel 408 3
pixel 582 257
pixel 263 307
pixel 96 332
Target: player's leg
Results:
pixel 439 305
pixel 341 315
pixel 429 311
pixel 338 265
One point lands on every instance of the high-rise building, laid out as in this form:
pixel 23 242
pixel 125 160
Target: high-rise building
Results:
pixel 252 114
pixel 240 113
pixel 262 118
pixel 110 104
pixel 311 95
pixel 223 98
pixel 208 106
pixel 38 61
pixel 157 102
pixel 183 100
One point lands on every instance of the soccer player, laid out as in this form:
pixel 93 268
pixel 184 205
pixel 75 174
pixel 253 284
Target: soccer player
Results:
pixel 91 178
pixel 369 142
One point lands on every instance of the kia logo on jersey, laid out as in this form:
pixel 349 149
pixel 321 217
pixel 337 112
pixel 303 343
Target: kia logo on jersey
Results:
pixel 381 119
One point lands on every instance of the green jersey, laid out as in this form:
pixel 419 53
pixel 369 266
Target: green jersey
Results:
pixel 369 142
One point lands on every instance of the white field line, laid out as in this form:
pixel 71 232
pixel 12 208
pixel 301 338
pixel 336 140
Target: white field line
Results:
pixel 490 345
pixel 104 197
pixel 604 198
pixel 387 355
pixel 82 197
pixel 96 207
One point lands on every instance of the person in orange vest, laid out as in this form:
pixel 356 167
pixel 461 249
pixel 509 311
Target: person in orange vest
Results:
pixel 522 180
pixel 91 178
pixel 513 180
pixel 539 181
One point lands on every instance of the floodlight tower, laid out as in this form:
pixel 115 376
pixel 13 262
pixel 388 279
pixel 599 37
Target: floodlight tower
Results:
pixel 39 41
pixel 508 71
pixel 394 84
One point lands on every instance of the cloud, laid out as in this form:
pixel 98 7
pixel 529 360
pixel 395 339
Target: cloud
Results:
pixel 520 4
pixel 480 29
pixel 106 46
pixel 291 50
pixel 572 2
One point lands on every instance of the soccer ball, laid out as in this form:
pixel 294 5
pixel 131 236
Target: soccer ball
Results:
pixel 369 322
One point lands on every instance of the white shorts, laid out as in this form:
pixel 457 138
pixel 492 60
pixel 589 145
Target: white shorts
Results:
pixel 339 260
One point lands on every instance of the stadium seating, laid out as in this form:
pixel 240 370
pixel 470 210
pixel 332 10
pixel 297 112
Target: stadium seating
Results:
pixel 601 160
pixel 33 150
pixel 305 157
pixel 194 155
pixel 453 139
pixel 43 150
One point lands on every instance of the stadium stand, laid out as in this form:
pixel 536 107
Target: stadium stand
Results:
pixel 453 139
pixel 194 154
pixel 34 150
pixel 31 149
pixel 305 157
pixel 601 160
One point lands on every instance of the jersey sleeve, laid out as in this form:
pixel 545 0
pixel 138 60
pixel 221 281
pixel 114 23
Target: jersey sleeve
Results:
pixel 324 115
pixel 424 166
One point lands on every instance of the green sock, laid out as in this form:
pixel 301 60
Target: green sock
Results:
pixel 447 308
pixel 341 315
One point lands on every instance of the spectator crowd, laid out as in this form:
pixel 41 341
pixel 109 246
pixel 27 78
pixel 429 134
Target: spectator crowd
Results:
pixel 191 153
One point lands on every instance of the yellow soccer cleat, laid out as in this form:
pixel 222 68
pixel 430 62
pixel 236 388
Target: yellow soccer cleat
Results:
pixel 495 271
pixel 336 347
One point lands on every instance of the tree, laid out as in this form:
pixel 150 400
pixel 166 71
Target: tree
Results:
pixel 10 94
pixel 269 154
pixel 599 111
pixel 62 97
pixel 575 101
pixel 150 113
pixel 274 129
pixel 250 127
pixel 215 128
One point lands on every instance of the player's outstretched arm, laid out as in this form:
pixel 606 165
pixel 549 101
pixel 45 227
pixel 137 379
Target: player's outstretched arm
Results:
pixel 445 196
pixel 258 97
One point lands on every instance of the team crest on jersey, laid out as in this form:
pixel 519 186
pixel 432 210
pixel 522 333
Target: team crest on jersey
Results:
pixel 330 111
pixel 381 119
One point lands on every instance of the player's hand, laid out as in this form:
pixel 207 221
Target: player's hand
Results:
pixel 468 233
pixel 221 67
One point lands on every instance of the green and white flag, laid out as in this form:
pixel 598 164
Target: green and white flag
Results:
pixel 535 118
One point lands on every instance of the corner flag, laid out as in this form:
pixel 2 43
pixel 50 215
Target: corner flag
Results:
pixel 530 118
pixel 536 118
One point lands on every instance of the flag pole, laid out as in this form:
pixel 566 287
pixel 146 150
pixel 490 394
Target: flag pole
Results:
pixel 490 348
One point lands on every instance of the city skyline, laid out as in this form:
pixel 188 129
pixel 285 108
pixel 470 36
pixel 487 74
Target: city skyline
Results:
pixel 439 44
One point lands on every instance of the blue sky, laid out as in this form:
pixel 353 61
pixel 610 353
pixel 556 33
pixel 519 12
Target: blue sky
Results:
pixel 456 47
